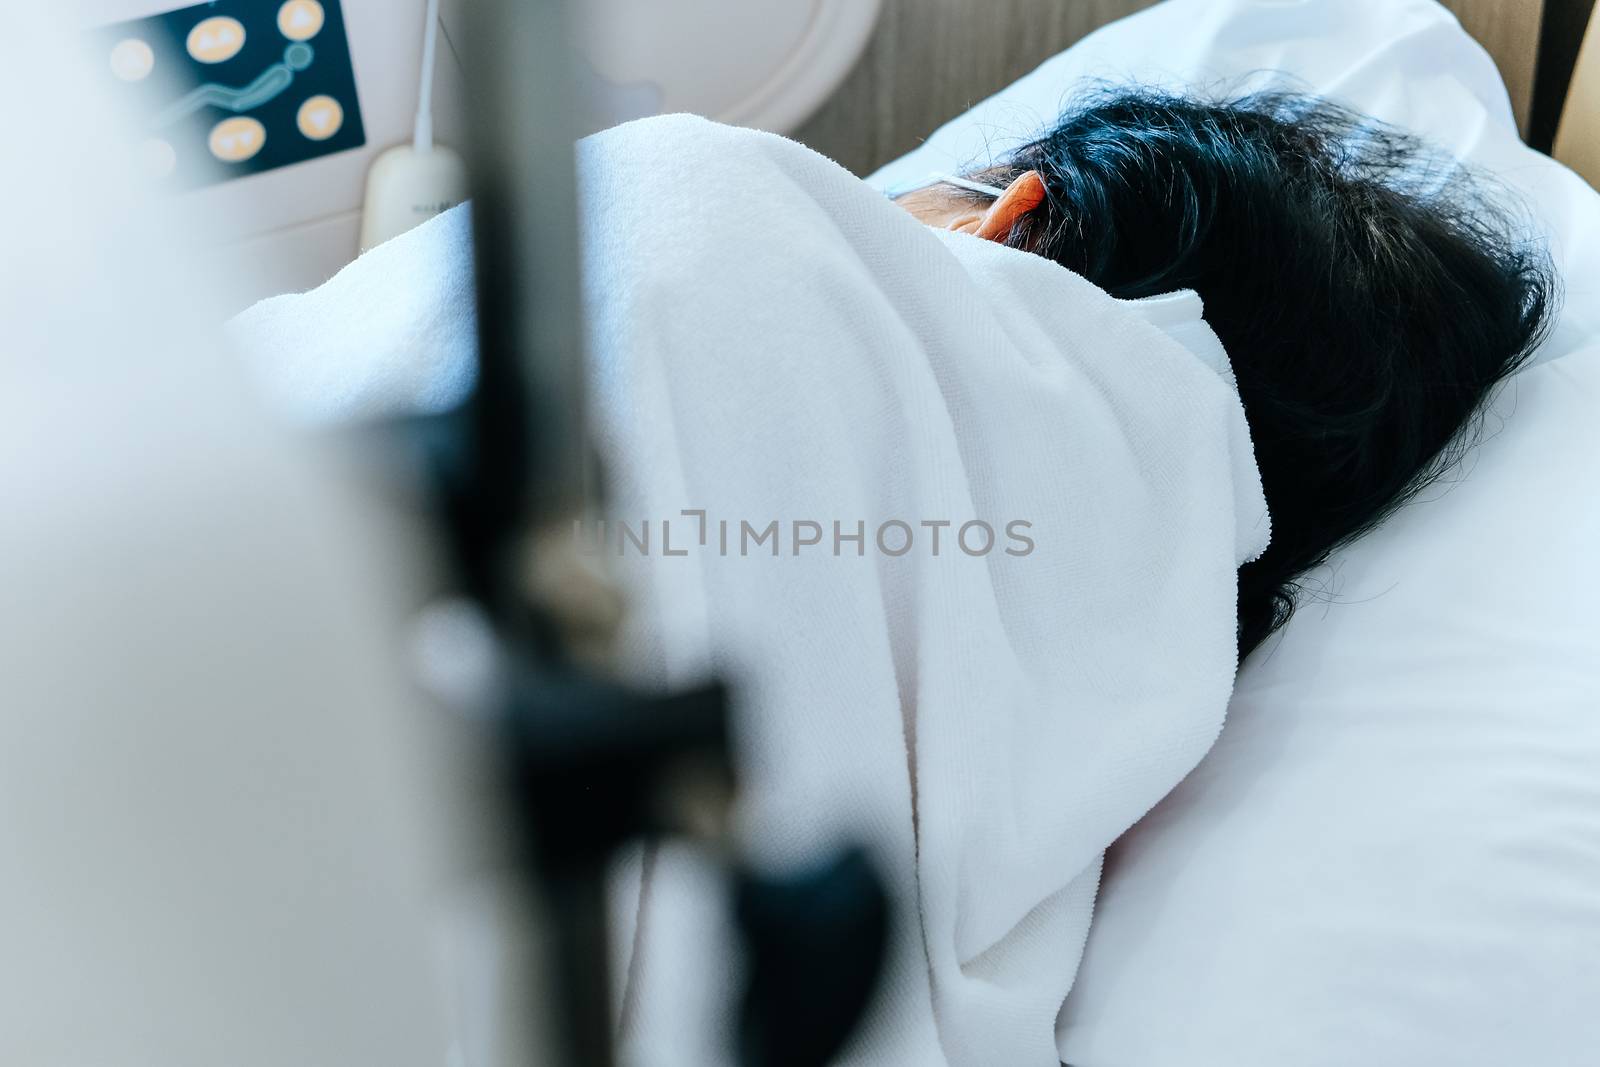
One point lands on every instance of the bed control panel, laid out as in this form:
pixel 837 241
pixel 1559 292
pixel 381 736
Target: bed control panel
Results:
pixel 235 87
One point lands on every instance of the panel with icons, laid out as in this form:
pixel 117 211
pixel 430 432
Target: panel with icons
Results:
pixel 235 87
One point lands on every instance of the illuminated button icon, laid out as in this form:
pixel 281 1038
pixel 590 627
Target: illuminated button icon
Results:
pixel 300 20
pixel 132 60
pixel 157 159
pixel 216 40
pixel 236 140
pixel 320 117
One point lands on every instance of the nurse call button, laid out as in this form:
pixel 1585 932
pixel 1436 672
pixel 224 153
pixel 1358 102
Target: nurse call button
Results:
pixel 132 60
pixel 216 40
pixel 300 20
pixel 157 159
pixel 238 139
pixel 320 117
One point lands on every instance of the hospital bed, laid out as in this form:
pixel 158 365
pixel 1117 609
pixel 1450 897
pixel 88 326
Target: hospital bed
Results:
pixel 1389 858
pixel 1393 847
pixel 1392 855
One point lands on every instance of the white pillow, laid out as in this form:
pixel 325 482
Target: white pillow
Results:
pixel 1407 62
pixel 1392 856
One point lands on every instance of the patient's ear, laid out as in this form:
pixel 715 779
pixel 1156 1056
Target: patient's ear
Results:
pixel 1023 195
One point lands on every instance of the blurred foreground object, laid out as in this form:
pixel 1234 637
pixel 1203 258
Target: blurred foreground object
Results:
pixel 221 819
pixel 589 765
pixel 212 852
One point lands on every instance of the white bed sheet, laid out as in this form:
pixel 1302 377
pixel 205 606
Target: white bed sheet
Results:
pixel 1392 855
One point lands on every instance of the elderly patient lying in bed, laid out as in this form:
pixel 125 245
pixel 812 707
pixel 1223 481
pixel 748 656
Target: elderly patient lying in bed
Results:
pixel 964 489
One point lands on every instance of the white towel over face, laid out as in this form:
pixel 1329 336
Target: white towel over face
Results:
pixel 774 342
pixel 777 342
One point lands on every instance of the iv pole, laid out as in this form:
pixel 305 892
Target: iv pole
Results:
pixel 587 765
pixel 583 760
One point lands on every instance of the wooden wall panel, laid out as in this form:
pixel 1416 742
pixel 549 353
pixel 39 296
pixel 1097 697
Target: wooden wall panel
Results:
pixel 931 59
pixel 1577 142
pixel 1509 31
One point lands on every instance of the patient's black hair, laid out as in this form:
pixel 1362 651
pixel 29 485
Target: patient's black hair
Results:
pixel 1368 291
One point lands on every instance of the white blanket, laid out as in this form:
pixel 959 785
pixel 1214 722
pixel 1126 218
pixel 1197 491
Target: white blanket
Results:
pixel 774 342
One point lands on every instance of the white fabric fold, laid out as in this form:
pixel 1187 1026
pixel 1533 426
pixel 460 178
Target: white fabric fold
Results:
pixel 774 342
pixel 777 342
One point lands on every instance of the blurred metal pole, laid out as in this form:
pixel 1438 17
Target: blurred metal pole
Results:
pixel 589 765
pixel 529 455
pixel 524 105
